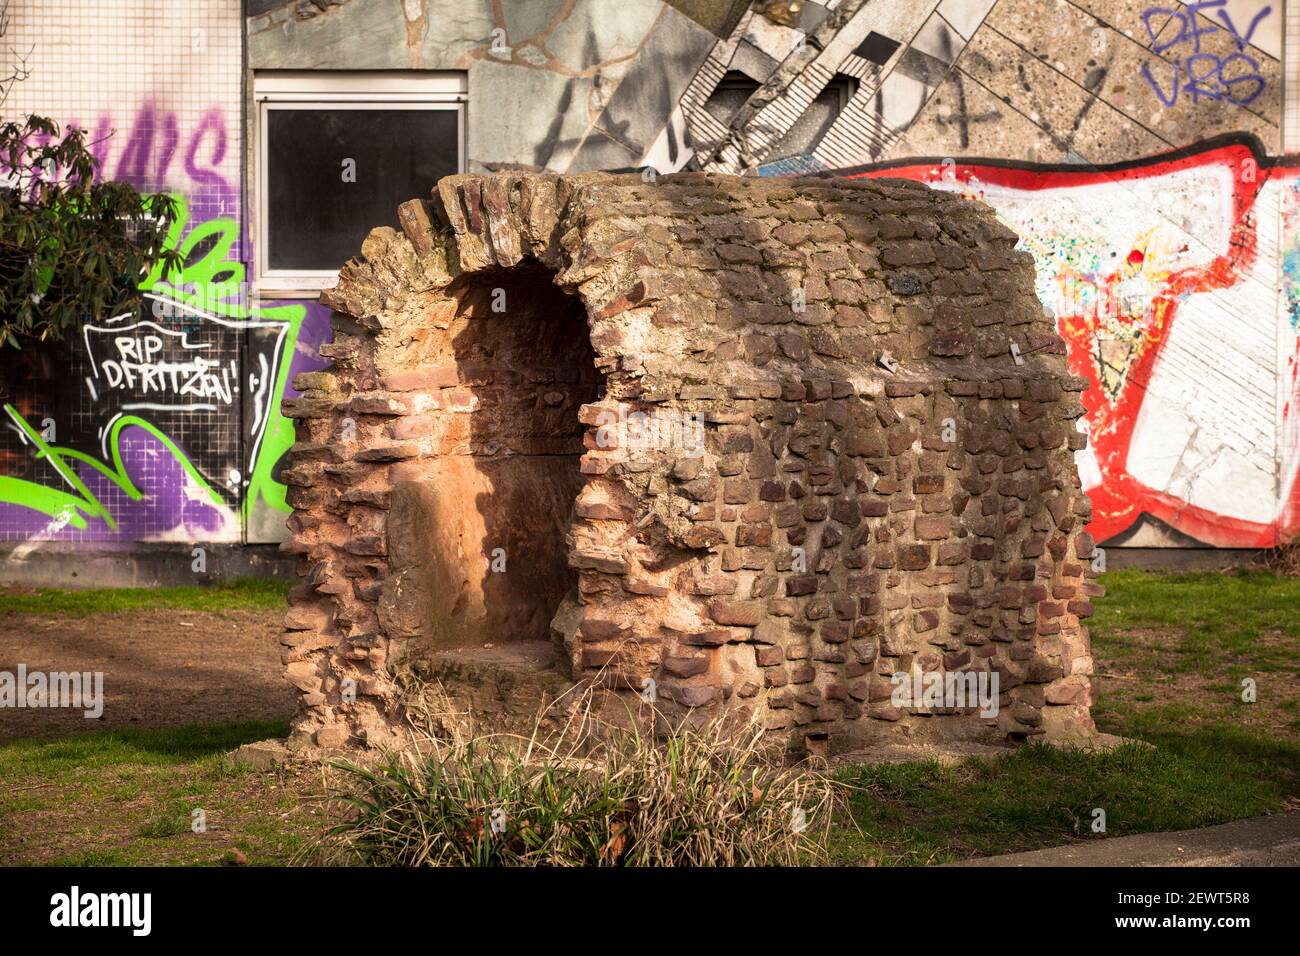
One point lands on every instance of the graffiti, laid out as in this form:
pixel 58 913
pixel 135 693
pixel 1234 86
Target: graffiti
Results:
pixel 149 152
pixel 962 116
pixel 179 375
pixel 72 509
pixel 188 383
pixel 217 282
pixel 1154 273
pixel 148 363
pixel 168 415
pixel 1203 74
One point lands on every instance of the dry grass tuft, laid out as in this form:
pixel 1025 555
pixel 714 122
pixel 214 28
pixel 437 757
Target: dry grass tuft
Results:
pixel 1283 560
pixel 588 793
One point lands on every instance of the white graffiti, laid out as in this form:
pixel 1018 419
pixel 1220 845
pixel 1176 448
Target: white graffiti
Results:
pixel 153 361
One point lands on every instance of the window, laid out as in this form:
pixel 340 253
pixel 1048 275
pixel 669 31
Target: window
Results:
pixel 732 92
pixel 815 121
pixel 336 154
pixel 735 89
pixel 877 48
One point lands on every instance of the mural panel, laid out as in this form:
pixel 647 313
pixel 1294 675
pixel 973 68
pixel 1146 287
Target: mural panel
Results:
pixel 1134 144
pixel 1163 278
pixel 162 424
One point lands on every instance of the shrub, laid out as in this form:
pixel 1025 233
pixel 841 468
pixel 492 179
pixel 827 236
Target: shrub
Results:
pixel 590 794
pixel 72 247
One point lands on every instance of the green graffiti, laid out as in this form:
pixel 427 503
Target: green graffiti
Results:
pixel 75 508
pixel 213 283
pixel 217 284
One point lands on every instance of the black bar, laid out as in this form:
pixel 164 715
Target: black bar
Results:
pixel 236 906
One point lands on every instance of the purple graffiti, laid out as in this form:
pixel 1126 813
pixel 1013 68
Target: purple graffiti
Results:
pixel 133 165
pixel 314 332
pixel 214 125
pixel 145 156
pixel 166 506
pixel 1203 75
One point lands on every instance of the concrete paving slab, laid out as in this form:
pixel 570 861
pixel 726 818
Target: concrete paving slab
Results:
pixel 1255 841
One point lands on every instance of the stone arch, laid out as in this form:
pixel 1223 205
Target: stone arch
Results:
pixel 478 533
pixel 811 456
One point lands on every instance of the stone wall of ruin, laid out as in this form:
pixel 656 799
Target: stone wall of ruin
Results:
pixel 865 465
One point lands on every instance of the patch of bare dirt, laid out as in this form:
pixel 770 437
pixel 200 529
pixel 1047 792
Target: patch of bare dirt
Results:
pixel 161 668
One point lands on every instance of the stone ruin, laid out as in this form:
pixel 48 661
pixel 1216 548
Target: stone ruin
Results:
pixel 700 444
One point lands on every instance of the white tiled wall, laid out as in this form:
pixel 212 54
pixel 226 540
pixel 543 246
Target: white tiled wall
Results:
pixel 1291 79
pixel 165 74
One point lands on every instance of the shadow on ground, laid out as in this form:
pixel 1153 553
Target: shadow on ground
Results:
pixel 162 668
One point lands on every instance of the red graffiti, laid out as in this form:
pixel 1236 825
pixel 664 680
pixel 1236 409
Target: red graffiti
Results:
pixel 1113 404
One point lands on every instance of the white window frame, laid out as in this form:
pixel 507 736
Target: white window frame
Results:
pixel 354 89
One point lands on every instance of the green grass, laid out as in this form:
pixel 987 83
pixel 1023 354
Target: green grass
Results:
pixel 126 798
pixel 1172 650
pixel 1228 623
pixel 172 821
pixel 924 813
pixel 247 594
pixel 162 746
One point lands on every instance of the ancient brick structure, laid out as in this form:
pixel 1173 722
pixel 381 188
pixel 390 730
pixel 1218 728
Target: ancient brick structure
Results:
pixel 726 443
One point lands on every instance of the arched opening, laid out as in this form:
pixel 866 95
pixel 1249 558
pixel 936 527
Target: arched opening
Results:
pixel 517 364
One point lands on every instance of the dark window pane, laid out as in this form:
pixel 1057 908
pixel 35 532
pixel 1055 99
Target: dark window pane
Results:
pixel 877 48
pixel 732 92
pixel 315 219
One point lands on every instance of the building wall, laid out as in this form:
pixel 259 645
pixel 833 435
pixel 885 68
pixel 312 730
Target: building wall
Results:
pixel 162 447
pixel 1138 147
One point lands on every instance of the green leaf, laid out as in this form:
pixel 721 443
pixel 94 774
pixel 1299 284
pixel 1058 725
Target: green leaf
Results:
pixel 63 242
